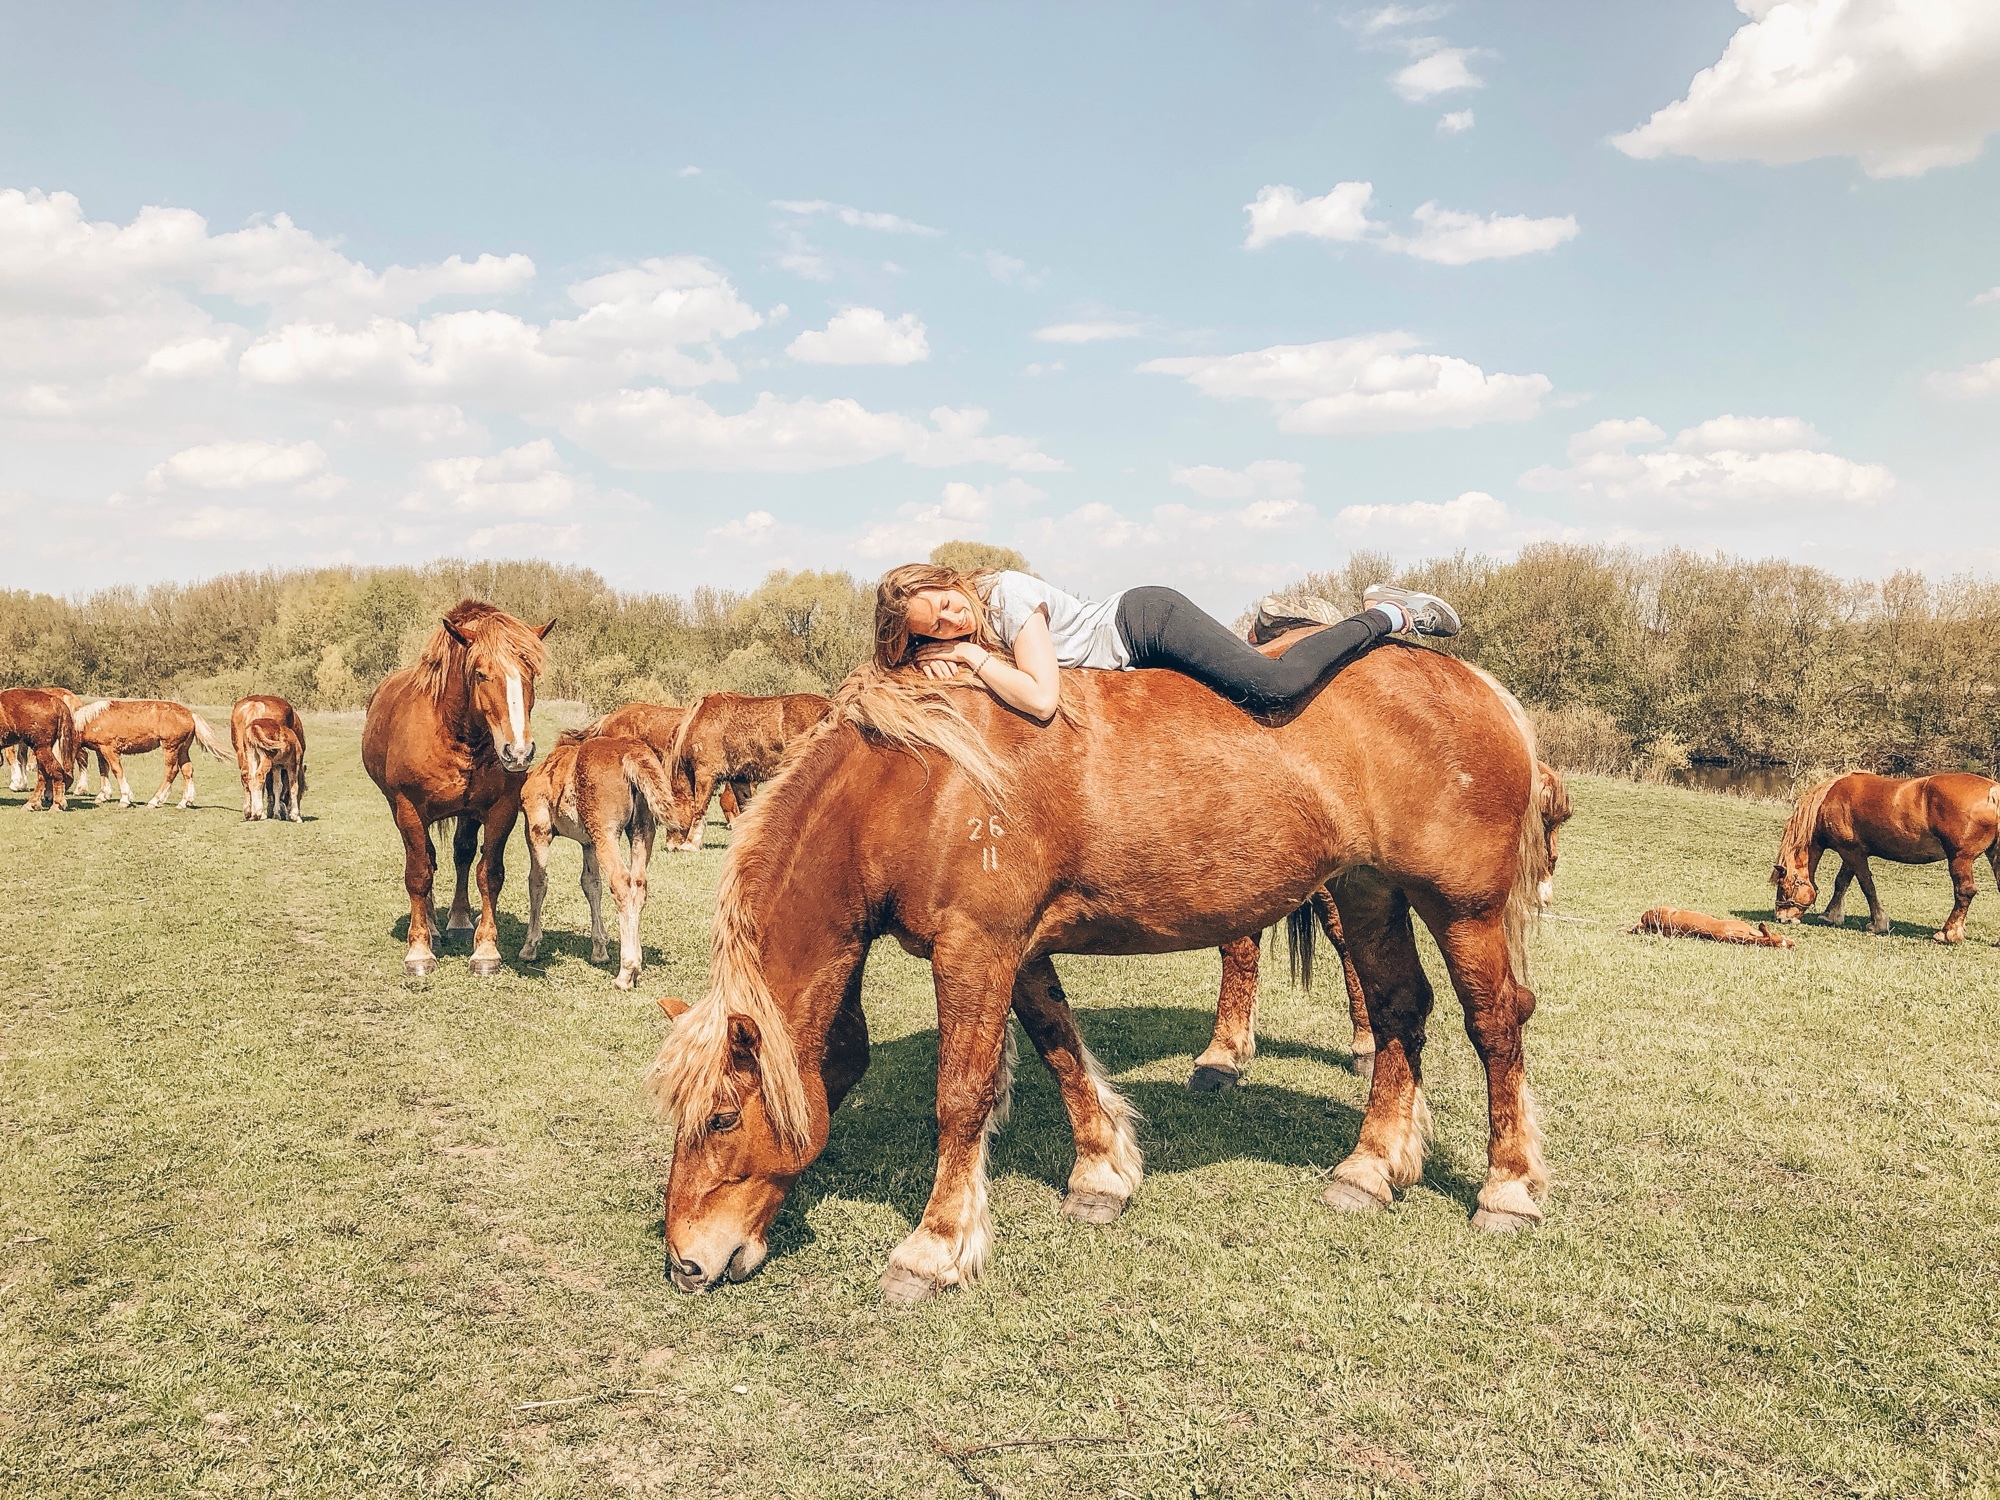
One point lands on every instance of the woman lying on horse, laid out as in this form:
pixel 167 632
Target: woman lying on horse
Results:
pixel 944 620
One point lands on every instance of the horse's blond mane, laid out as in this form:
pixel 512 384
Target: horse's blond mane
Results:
pixel 1804 821
pixel 487 628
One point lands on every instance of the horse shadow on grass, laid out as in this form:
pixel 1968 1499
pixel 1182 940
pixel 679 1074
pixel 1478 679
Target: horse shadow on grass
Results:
pixel 883 1148
pixel 557 942
pixel 1857 922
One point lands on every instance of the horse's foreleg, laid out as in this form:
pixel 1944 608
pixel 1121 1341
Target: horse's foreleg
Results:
pixel 1496 1008
pixel 592 881
pixel 243 774
pixel 1234 1040
pixel 1878 919
pixel 539 838
pixel 492 876
pixel 704 789
pixel 464 849
pixel 1836 910
pixel 173 771
pixel 731 806
pixel 1389 1153
pixel 950 1243
pixel 52 780
pixel 1362 1048
pixel 260 791
pixel 1962 892
pixel 117 764
pixel 1109 1166
pixel 419 866
pixel 17 780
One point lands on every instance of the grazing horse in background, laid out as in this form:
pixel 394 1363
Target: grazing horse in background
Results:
pixel 118 727
pixel 657 724
pixel 39 721
pixel 277 769
pixel 987 843
pixel 263 706
pixel 592 790
pixel 1954 817
pixel 448 738
pixel 730 737
pixel 1234 1041
pixel 19 757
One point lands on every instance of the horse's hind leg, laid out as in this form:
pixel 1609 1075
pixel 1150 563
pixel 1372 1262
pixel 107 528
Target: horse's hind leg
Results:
pixel 173 771
pixel 464 849
pixel 1363 1046
pixel 1375 922
pixel 592 881
pixel 1962 892
pixel 1234 1041
pixel 539 837
pixel 492 876
pixel 187 766
pixel 419 867
pixel 628 889
pixel 1497 1006
pixel 1109 1166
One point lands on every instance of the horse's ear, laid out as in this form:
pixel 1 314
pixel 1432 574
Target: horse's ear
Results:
pixel 544 631
pixel 453 631
pixel 674 1006
pixel 743 1040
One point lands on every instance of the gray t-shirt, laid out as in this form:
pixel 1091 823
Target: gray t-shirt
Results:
pixel 1086 634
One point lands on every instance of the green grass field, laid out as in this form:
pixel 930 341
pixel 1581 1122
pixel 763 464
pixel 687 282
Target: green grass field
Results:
pixel 275 1220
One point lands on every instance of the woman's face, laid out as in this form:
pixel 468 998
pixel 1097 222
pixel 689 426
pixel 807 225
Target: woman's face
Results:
pixel 940 614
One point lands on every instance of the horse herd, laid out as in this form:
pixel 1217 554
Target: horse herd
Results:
pixel 1407 789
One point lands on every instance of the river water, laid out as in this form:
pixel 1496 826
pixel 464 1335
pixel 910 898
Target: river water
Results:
pixel 1741 781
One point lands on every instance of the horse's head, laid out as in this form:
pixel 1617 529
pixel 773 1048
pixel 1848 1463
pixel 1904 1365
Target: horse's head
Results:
pixel 683 763
pixel 737 1152
pixel 500 669
pixel 1792 876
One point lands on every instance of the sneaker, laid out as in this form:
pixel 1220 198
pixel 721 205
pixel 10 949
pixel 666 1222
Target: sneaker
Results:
pixel 1428 614
pixel 1278 613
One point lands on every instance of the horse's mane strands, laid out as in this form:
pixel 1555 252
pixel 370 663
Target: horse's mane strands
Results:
pixel 1804 821
pixel 485 625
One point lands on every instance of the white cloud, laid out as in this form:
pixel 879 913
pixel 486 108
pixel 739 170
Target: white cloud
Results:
pixel 1445 236
pixel 658 429
pixel 1475 517
pixel 1341 214
pixel 1440 72
pixel 1455 122
pixel 1370 383
pixel 1090 331
pixel 1901 85
pixel 1011 271
pixel 689 172
pixel 190 358
pixel 863 336
pixel 237 466
pixel 1388 17
pixel 221 523
pixel 1053 367
pixel 856 218
pixel 526 538
pixel 1274 478
pixel 750 529
pixel 1970 383
pixel 1987 297
pixel 1722 463
pixel 960 506
pixel 525 481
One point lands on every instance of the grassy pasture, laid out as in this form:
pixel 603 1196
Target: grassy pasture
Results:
pixel 275 1220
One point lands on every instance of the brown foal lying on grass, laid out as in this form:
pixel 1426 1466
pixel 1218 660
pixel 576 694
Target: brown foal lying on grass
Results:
pixel 117 727
pixel 1671 921
pixel 986 843
pixel 1953 817
pixel 592 790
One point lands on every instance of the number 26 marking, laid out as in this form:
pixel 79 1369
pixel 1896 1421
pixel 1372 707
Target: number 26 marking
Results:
pixel 987 828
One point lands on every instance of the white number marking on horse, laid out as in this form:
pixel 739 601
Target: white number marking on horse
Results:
pixel 987 828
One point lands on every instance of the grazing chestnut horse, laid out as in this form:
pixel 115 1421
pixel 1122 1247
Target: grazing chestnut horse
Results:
pixel 592 790
pixel 117 727
pixel 19 756
pixel 262 706
pixel 1671 921
pixel 448 738
pixel 657 724
pixel 1953 817
pixel 986 843
pixel 730 737
pixel 1233 1043
pixel 39 722
pixel 277 769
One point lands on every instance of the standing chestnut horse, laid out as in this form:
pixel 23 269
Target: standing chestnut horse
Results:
pixel 1953 817
pixel 1234 1042
pixel 117 727
pixel 247 711
pixel 448 738
pixel 738 741
pixel 39 722
pixel 987 843
pixel 658 724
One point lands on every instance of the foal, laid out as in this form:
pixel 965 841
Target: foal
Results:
pixel 260 706
pixel 592 790
pixel 277 762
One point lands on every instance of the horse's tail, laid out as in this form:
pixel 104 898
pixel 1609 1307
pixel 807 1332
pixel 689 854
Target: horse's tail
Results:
pixel 575 736
pixel 65 735
pixel 1531 854
pixel 1301 930
pixel 1993 798
pixel 649 779
pixel 207 737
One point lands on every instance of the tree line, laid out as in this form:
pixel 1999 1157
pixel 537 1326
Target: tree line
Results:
pixel 1631 663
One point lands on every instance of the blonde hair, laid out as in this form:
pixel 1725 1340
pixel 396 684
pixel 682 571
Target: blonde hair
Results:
pixel 895 642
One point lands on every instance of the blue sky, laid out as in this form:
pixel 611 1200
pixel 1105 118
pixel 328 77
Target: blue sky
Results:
pixel 819 286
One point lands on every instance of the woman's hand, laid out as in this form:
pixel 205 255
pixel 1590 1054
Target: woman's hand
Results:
pixel 943 660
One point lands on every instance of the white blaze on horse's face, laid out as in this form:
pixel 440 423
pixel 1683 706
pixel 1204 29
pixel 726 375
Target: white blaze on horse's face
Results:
pixel 517 720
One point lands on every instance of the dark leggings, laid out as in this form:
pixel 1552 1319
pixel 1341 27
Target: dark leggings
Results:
pixel 1164 628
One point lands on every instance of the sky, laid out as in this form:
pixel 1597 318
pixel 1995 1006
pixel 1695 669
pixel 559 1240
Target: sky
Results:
pixel 1202 295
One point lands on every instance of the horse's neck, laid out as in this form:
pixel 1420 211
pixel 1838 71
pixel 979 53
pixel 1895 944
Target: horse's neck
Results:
pixel 461 724
pixel 809 930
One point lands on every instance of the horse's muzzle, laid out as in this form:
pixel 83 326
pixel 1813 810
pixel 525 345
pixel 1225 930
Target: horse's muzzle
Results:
pixel 513 760
pixel 690 1276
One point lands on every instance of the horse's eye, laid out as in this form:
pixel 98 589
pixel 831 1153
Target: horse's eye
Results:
pixel 725 1122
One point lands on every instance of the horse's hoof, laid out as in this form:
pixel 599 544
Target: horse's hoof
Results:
pixel 1948 937
pixel 625 980
pixel 485 964
pixel 906 1288
pixel 528 954
pixel 418 967
pixel 1351 1199
pixel 1209 1079
pixel 1878 932
pixel 1499 1221
pixel 1362 1065
pixel 1093 1207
